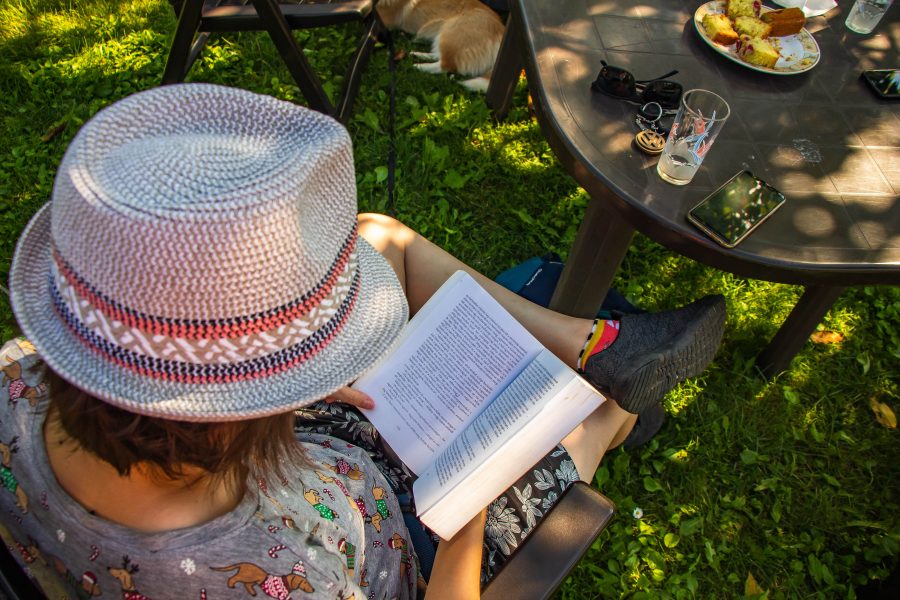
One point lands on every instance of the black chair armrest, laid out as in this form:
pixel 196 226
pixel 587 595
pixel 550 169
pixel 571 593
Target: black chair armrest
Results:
pixel 561 538
pixel 14 584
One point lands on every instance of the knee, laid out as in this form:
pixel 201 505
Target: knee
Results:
pixel 377 222
pixel 383 231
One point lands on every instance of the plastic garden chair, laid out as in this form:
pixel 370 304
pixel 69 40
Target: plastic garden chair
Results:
pixel 198 18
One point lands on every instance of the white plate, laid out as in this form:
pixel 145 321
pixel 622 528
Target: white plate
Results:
pixel 799 52
pixel 810 8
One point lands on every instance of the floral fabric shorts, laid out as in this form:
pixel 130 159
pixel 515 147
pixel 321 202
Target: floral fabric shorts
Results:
pixel 510 518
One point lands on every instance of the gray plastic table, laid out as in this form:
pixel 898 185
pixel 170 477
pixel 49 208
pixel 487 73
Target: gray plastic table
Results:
pixel 821 137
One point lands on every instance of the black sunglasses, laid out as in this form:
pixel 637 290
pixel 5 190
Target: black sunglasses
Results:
pixel 621 84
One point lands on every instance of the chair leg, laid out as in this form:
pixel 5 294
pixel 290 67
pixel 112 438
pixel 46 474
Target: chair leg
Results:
pixel 276 25
pixel 182 54
pixel 374 30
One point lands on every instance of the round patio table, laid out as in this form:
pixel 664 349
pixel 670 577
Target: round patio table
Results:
pixel 821 137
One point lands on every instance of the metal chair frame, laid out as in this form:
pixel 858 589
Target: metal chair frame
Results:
pixel 198 18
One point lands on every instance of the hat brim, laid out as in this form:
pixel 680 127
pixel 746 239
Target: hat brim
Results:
pixel 373 326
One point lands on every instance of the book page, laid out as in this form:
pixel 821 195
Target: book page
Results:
pixel 455 355
pixel 537 410
pixel 460 499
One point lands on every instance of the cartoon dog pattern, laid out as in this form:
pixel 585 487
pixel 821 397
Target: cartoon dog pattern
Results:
pixel 7 479
pixel 125 576
pixel 275 586
pixel 17 389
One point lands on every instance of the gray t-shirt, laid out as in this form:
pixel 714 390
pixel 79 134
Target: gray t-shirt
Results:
pixel 334 531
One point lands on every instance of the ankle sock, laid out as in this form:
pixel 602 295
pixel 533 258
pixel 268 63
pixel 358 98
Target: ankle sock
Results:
pixel 602 335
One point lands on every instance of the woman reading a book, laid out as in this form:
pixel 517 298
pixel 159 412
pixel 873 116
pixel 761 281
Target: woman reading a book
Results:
pixel 197 284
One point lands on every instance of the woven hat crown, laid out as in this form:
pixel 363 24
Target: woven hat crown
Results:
pixel 200 259
pixel 188 203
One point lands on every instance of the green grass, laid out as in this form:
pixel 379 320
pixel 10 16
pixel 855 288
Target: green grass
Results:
pixel 791 481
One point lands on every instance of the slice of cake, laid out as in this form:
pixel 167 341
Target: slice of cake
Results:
pixel 752 26
pixel 757 51
pixel 742 8
pixel 718 29
pixel 787 21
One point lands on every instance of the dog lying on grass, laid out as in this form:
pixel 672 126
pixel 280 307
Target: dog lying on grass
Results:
pixel 465 35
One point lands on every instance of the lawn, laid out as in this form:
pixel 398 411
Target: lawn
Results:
pixel 784 488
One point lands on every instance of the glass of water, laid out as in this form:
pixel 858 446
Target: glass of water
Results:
pixel 700 118
pixel 865 14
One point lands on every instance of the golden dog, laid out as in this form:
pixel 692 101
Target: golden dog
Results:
pixel 465 35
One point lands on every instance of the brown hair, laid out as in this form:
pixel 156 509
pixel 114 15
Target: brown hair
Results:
pixel 229 451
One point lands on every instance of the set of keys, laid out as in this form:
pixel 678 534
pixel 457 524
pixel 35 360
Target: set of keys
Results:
pixel 652 135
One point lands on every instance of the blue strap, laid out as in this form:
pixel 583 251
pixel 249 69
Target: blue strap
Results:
pixel 419 538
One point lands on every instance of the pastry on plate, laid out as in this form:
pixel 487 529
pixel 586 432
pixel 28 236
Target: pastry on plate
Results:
pixel 757 51
pixel 752 26
pixel 738 8
pixel 718 29
pixel 787 21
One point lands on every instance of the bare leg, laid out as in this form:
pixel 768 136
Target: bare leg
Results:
pixel 603 430
pixel 423 267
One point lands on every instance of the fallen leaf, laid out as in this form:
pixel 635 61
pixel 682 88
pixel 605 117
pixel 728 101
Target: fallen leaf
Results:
pixel 399 54
pixel 827 337
pixel 54 131
pixel 883 413
pixel 751 588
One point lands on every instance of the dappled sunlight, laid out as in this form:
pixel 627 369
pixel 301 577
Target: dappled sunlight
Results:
pixel 75 21
pixel 814 221
pixel 735 482
pixel 681 456
pixel 640 9
pixel 13 21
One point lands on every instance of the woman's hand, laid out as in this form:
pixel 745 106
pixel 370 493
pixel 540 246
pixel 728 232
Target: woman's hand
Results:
pixel 356 398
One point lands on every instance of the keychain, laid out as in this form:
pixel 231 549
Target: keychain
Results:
pixel 652 135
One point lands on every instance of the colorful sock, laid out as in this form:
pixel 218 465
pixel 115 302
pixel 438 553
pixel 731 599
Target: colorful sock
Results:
pixel 602 335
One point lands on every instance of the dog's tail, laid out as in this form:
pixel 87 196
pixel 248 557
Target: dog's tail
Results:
pixel 229 568
pixel 476 84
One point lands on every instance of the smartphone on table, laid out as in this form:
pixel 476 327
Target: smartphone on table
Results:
pixel 884 82
pixel 733 211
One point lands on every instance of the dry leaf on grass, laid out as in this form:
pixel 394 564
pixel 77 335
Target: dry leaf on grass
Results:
pixel 883 413
pixel 751 588
pixel 827 337
pixel 54 131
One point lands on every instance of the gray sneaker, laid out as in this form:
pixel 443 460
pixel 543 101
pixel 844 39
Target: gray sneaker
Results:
pixel 655 351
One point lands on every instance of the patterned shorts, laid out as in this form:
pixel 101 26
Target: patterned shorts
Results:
pixel 510 518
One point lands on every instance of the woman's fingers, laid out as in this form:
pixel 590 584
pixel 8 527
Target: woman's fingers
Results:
pixel 356 398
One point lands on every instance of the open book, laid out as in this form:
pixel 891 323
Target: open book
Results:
pixel 469 400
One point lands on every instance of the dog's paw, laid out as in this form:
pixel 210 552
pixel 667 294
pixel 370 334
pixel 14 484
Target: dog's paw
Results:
pixel 432 67
pixel 427 56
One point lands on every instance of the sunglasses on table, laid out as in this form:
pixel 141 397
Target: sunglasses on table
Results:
pixel 619 83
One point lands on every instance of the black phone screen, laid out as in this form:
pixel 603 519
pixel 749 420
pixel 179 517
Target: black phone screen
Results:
pixel 733 210
pixel 885 82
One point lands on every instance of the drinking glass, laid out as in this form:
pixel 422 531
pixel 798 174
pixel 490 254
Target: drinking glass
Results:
pixel 865 14
pixel 700 118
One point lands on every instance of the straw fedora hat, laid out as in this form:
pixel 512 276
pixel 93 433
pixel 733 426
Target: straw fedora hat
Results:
pixel 199 259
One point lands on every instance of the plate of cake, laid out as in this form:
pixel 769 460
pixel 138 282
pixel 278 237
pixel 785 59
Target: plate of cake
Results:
pixel 757 37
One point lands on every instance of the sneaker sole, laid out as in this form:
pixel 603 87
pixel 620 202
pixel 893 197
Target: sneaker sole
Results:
pixel 648 425
pixel 647 379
